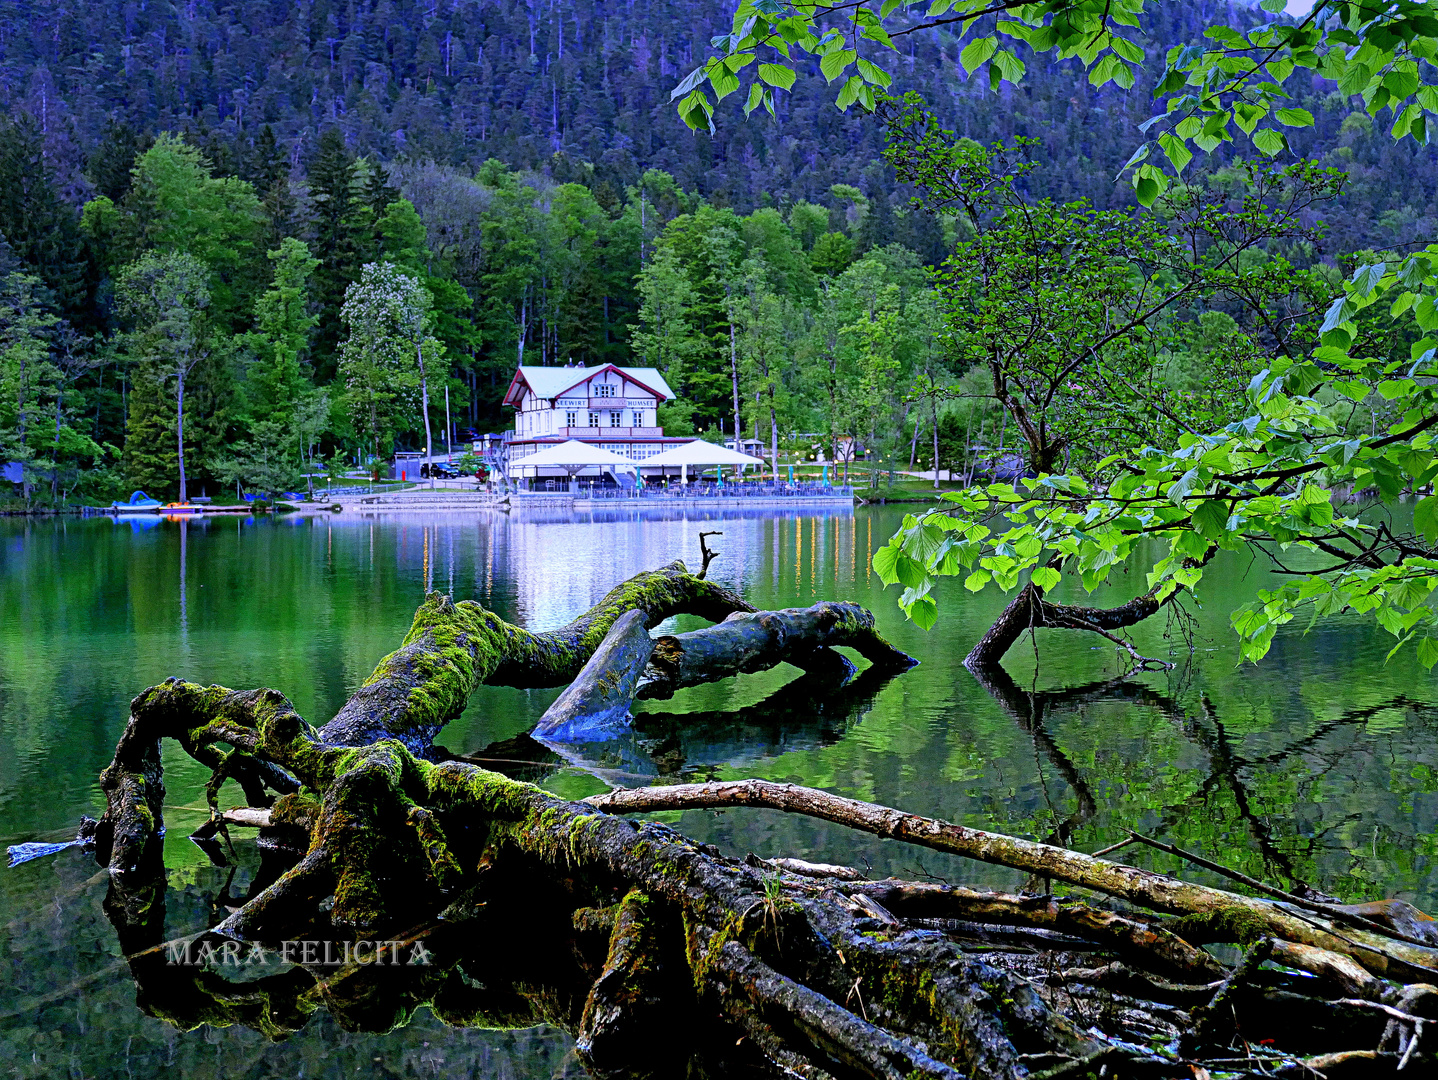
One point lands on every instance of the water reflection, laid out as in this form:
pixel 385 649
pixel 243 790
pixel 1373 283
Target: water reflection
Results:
pixel 1318 766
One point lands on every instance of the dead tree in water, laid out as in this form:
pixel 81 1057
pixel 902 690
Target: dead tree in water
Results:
pixel 539 909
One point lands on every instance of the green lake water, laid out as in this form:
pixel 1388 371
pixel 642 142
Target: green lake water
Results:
pixel 1319 764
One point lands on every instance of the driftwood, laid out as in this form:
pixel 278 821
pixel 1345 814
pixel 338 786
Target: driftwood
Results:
pixel 539 910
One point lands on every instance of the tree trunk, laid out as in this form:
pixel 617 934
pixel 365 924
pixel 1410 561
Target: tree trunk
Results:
pixel 934 421
pixel 597 701
pixel 424 404
pixel 55 452
pixel 180 428
pixel 754 642
pixel 1029 610
pixel 1213 910
pixel 775 964
pixel 629 663
pixel 734 372
pixel 773 434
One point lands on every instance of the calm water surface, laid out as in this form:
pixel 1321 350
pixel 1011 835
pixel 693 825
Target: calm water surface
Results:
pixel 1320 764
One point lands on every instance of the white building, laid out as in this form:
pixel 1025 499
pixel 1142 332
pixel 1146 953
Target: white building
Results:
pixel 608 406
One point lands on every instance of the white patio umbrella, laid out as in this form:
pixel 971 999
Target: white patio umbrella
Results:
pixel 701 454
pixel 574 457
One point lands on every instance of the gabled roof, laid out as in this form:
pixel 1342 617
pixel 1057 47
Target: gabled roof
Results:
pixel 699 452
pixel 552 382
pixel 574 453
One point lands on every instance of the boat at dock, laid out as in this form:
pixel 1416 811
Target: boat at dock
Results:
pixel 139 503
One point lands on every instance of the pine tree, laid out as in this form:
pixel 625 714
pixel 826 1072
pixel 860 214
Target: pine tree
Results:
pixel 339 237
pixel 113 158
pixel 284 322
pixel 41 230
pixel 268 170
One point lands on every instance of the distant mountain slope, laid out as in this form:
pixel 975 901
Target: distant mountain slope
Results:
pixel 463 80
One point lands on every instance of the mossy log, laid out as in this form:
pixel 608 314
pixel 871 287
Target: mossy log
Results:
pixel 1210 914
pixel 597 702
pixel 747 642
pixel 630 663
pixel 541 910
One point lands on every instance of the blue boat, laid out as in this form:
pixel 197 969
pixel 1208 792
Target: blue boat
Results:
pixel 139 503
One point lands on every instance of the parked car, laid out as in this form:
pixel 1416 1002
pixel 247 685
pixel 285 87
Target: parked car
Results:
pixel 439 470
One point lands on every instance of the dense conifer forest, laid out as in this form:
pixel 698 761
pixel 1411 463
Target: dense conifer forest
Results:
pixel 189 192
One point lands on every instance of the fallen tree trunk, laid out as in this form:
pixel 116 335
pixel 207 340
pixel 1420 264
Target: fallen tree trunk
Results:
pixel 747 642
pixel 1213 913
pixel 626 925
pixel 598 699
pixel 629 663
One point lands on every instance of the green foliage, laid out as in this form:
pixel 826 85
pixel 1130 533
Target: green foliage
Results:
pixel 27 374
pixel 387 314
pixel 832 254
pixel 37 225
pixel 1264 484
pixel 284 322
pixel 263 462
pixel 165 297
pixel 1072 310
pixel 1210 91
pixel 175 206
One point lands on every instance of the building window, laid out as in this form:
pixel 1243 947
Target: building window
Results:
pixel 594 419
pixel 616 419
pixel 571 419
pixel 603 390
pixel 638 419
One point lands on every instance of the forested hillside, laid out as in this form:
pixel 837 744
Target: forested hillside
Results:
pixel 194 190
pixel 461 81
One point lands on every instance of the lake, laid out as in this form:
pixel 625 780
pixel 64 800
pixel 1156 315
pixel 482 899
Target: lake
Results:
pixel 1320 764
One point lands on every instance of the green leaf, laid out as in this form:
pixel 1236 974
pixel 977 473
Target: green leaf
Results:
pixel 885 561
pixel 977 580
pixel 1366 278
pixel 1178 154
pixel 1147 190
pixel 1425 518
pixel 1269 142
pixel 777 75
pixel 834 63
pixel 872 73
pixel 1210 518
pixel 756 97
pixel 923 612
pixel 1355 79
pixel 696 111
pixel 1294 117
pixel 1400 83
pixel 1428 651
pixel 850 92
pixel 1045 577
pixel 976 53
pixel 724 81
pixel 1247 116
